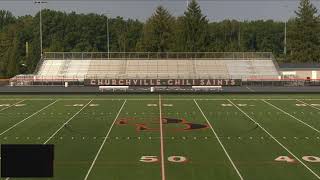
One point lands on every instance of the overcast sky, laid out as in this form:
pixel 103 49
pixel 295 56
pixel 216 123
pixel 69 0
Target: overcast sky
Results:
pixel 215 10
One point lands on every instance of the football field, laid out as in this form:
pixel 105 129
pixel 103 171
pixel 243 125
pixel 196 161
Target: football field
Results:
pixel 170 137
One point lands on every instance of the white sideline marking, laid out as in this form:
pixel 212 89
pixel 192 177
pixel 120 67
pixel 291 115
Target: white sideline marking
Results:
pixel 224 149
pixel 11 105
pixel 104 141
pixel 308 104
pixel 292 116
pixel 168 99
pixel 315 174
pixel 28 117
pixel 66 122
pixel 161 140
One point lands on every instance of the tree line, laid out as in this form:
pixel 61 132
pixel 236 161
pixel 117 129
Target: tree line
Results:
pixel 162 32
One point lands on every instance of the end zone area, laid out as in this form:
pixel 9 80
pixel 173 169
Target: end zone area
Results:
pixel 170 137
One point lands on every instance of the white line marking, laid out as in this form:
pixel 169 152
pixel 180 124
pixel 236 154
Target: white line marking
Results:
pixel 316 175
pixel 28 117
pixel 31 116
pixel 11 105
pixel 251 90
pixel 167 99
pixel 308 104
pixel 67 122
pixel 306 124
pixel 161 140
pixel 104 141
pixel 216 135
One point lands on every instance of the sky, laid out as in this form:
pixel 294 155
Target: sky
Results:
pixel 215 10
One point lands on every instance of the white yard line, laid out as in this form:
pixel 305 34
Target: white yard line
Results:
pixel 32 115
pixel 175 99
pixel 104 141
pixel 163 175
pixel 28 117
pixel 216 135
pixel 302 122
pixel 66 122
pixel 62 126
pixel 251 90
pixel 308 104
pixel 284 147
pixel 11 105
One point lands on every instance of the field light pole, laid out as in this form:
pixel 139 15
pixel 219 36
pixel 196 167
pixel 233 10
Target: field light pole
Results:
pixel 108 39
pixel 40 25
pixel 285 33
pixel 285 38
pixel 239 35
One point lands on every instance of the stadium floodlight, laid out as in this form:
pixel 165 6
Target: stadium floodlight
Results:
pixel 108 41
pixel 40 24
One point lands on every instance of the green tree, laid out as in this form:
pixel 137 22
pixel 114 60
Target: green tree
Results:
pixel 6 18
pixel 158 32
pixel 304 37
pixel 194 31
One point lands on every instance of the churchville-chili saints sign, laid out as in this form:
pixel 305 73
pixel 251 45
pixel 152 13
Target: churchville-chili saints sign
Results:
pixel 162 82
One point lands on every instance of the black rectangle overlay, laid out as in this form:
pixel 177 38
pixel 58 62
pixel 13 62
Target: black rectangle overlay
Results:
pixel 27 160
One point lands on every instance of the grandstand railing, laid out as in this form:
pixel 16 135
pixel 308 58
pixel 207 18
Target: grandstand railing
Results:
pixel 33 77
pixel 157 55
pixel 39 64
pixel 275 64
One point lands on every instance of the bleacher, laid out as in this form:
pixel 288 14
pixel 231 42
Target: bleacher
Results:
pixel 159 65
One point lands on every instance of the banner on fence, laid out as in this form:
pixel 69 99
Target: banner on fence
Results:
pixel 162 82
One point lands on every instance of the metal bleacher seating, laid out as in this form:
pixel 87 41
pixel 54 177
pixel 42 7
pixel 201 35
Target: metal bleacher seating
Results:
pixel 164 66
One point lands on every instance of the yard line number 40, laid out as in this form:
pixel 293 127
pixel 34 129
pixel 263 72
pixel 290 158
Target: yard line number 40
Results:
pixel 153 159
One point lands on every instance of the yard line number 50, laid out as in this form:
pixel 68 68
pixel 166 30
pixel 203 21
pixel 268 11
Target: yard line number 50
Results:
pixel 153 159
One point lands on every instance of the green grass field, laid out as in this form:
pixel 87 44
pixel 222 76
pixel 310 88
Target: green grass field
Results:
pixel 170 137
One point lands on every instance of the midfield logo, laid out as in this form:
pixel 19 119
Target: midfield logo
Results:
pixel 141 124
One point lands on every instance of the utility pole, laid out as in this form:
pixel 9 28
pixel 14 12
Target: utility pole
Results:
pixel 40 24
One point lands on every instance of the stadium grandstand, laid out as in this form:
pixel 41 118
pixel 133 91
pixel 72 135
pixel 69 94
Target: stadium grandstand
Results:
pixel 158 65
pixel 81 66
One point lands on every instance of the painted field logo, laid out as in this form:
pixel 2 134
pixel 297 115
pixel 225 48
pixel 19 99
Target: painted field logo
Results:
pixel 145 124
